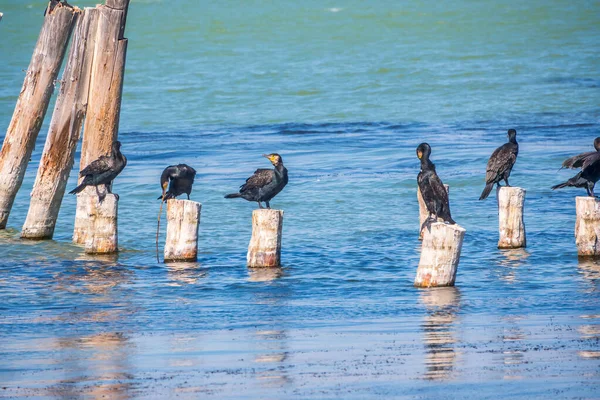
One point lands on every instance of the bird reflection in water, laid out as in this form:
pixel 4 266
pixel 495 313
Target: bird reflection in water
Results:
pixel 185 273
pixel 439 331
pixel 510 260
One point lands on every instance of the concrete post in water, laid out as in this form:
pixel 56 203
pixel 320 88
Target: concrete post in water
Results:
pixel 587 226
pixel 99 226
pixel 265 245
pixel 440 254
pixel 183 220
pixel 65 128
pixel 104 100
pixel 33 102
pixel 510 215
pixel 423 214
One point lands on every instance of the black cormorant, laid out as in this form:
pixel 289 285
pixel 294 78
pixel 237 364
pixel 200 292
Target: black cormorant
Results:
pixel 179 178
pixel 590 170
pixel 265 183
pixel 577 161
pixel 103 171
pixel 500 164
pixel 432 189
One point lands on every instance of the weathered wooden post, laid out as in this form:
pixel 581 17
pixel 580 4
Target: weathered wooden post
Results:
pixel 423 214
pixel 101 234
pixel 264 249
pixel 440 254
pixel 33 102
pixel 510 215
pixel 1 16
pixel 104 100
pixel 183 220
pixel 587 226
pixel 65 128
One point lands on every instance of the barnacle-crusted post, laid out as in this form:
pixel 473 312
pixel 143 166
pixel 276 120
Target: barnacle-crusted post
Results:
pixel 65 128
pixel 440 254
pixel 183 220
pixel 587 226
pixel 423 214
pixel 264 249
pixel 33 101
pixel 511 201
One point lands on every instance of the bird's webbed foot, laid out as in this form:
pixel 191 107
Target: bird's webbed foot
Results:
pixel 268 205
pixel 427 223
pixel 507 184
pixel 260 205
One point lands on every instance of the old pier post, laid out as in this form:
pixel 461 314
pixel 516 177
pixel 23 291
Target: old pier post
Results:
pixel 264 249
pixel 423 214
pixel 183 220
pixel 587 226
pixel 63 135
pixel 99 232
pixel 104 104
pixel 33 102
pixel 510 217
pixel 440 254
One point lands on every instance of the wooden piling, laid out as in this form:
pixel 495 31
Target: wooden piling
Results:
pixel 1 16
pixel 511 201
pixel 33 102
pixel 587 226
pixel 264 249
pixel 65 128
pixel 440 254
pixel 99 223
pixel 423 213
pixel 183 220
pixel 106 85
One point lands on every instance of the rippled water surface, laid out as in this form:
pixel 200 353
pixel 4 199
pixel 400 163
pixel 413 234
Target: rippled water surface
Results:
pixel 345 92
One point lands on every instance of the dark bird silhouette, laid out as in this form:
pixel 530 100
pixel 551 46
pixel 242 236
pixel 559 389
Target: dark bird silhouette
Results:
pixel 265 183
pixel 500 164
pixel 587 177
pixel 103 171
pixel 179 178
pixel 432 189
pixel 577 161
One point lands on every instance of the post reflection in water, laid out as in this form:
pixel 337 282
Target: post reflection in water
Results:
pixel 272 337
pixel 589 268
pixel 510 260
pixel 439 331
pixel 512 346
pixel 185 273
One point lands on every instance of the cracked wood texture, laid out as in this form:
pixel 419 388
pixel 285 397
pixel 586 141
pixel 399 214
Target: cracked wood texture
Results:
pixel 511 226
pixel 101 124
pixel 98 226
pixel 65 128
pixel 440 254
pixel 423 214
pixel 183 220
pixel 587 226
pixel 33 102
pixel 264 249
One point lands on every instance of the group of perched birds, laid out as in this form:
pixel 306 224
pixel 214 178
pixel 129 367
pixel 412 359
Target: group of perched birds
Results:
pixel 498 169
pixel 265 184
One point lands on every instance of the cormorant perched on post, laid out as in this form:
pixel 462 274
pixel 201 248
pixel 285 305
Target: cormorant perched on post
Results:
pixel 265 183
pixel 181 179
pixel 589 174
pixel 500 164
pixel 432 189
pixel 103 171
pixel 577 161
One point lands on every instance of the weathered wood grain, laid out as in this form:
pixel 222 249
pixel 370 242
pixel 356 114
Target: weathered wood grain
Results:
pixel 264 249
pixel 440 255
pixel 183 221
pixel 511 226
pixel 587 226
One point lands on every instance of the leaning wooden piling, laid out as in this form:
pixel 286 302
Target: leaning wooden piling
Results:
pixel 511 226
pixel 423 213
pixel 264 249
pixel 106 85
pixel 33 102
pixel 440 254
pixel 63 135
pixel 183 221
pixel 587 226
pixel 98 227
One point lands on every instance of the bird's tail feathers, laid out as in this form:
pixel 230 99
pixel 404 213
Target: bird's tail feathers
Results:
pixel 78 188
pixel 233 195
pixel 486 191
pixel 561 185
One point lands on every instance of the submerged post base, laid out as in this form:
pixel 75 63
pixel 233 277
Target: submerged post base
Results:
pixel 183 221
pixel 440 254
pixel 96 223
pixel 264 249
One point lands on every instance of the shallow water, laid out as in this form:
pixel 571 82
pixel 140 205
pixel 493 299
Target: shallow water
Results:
pixel 345 92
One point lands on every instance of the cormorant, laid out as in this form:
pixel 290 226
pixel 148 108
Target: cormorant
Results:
pixel 265 183
pixel 577 161
pixel 181 179
pixel 590 170
pixel 103 171
pixel 500 164
pixel 432 189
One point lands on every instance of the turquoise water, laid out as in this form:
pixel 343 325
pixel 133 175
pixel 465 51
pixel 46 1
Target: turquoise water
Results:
pixel 345 92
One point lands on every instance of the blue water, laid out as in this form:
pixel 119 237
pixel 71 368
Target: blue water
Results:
pixel 344 92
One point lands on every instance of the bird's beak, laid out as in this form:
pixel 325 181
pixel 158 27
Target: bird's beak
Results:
pixel 164 189
pixel 266 156
pixel 419 154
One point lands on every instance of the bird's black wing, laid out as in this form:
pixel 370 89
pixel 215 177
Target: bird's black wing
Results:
pixel 102 164
pixel 261 178
pixel 502 159
pixel 181 171
pixel 590 160
pixel 577 161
